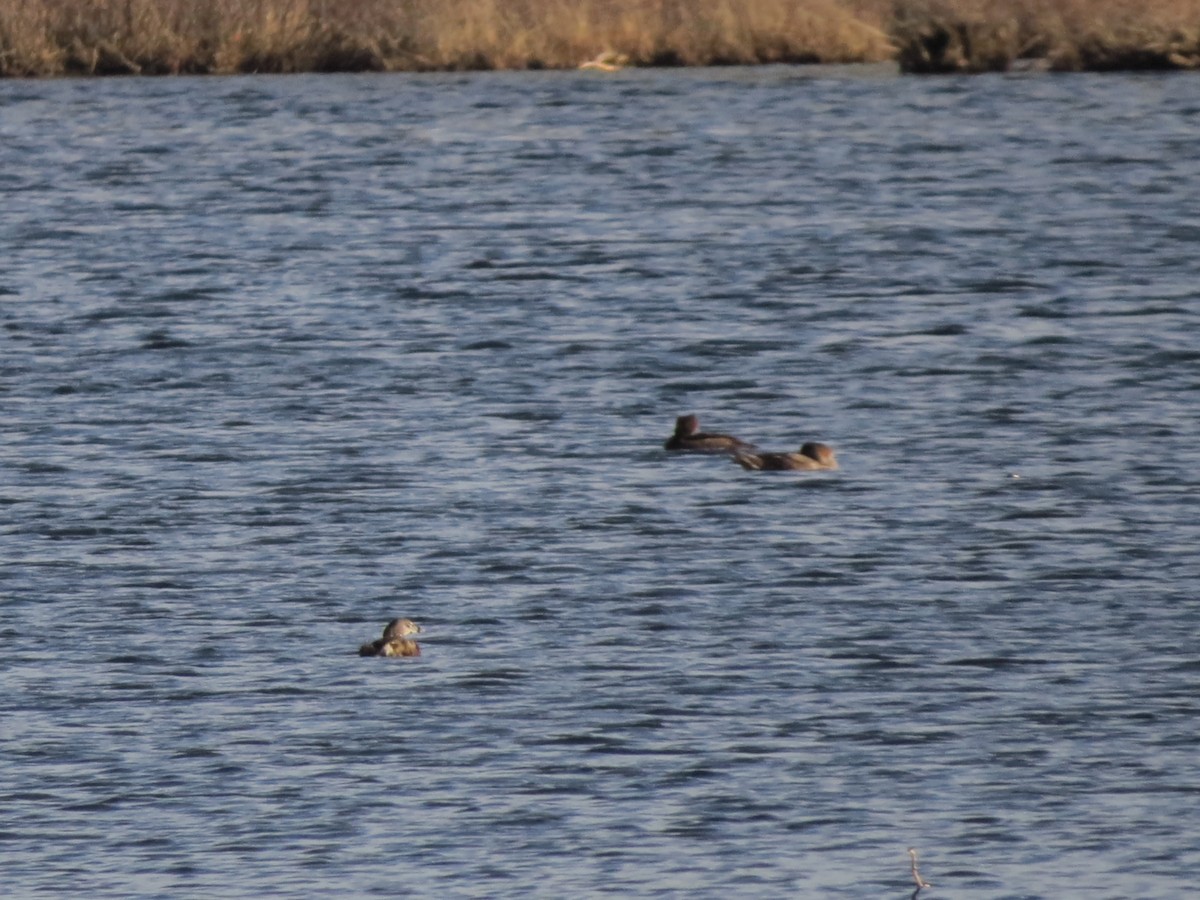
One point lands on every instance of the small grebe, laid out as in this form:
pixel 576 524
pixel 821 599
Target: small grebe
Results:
pixel 394 641
pixel 689 439
pixel 811 456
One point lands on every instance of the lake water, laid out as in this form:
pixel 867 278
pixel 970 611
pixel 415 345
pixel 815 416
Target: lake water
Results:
pixel 283 358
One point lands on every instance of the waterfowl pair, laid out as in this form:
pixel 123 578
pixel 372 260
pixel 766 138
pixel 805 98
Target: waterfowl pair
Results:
pixel 689 439
pixel 395 640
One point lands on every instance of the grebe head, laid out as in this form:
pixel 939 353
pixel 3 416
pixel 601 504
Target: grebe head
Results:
pixel 398 628
pixel 822 453
pixel 686 425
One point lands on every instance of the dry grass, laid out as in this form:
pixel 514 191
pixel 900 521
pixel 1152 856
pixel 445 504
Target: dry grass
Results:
pixel 101 37
pixel 55 37
pixel 1065 35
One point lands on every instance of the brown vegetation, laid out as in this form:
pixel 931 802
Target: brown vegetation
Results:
pixel 103 37
pixel 1064 35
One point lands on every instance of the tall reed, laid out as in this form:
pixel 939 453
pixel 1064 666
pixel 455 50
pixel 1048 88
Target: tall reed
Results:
pixel 53 37
pixel 1065 35
pixel 86 37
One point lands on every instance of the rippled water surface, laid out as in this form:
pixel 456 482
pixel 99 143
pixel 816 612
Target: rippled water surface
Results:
pixel 282 358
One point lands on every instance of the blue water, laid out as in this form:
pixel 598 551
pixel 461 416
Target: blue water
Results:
pixel 284 358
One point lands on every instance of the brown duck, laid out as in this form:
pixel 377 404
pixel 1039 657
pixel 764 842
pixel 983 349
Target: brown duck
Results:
pixel 688 438
pixel 811 456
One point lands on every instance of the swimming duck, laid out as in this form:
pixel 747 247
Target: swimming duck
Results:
pixel 394 641
pixel 811 456
pixel 689 439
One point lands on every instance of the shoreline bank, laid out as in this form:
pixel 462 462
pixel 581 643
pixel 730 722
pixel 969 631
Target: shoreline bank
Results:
pixel 48 38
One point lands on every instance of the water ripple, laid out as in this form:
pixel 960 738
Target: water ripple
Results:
pixel 285 358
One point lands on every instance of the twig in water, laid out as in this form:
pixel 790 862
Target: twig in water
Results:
pixel 917 879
